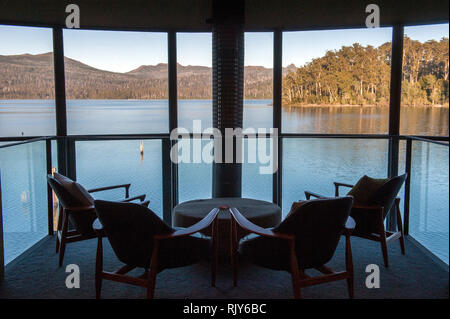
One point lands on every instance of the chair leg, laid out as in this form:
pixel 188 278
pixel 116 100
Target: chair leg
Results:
pixel 402 244
pixel 400 227
pixel 63 243
pixel 57 242
pixel 234 255
pixel 350 287
pixel 152 273
pixel 294 272
pixel 214 252
pixel 296 286
pixel 58 228
pixel 349 266
pixel 384 248
pixel 99 268
pixel 151 284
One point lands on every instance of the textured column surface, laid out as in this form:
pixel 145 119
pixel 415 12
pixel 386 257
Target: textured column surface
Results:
pixel 228 89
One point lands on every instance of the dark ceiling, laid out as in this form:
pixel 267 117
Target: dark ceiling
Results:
pixel 191 15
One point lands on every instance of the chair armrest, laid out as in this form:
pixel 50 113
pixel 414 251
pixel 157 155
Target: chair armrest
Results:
pixel 71 209
pixel 368 208
pixel 249 226
pixel 336 187
pixel 308 195
pixel 140 197
pixel 201 225
pixel 100 189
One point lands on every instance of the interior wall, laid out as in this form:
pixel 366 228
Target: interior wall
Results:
pixel 326 14
pixel 192 15
pixel 112 14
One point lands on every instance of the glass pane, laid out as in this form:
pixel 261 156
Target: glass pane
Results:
pixel 402 170
pixel 194 77
pixel 27 93
pixel 258 80
pixel 106 163
pixel 194 172
pixel 24 197
pixel 336 81
pixel 257 168
pixel 313 164
pixel 429 205
pixel 424 108
pixel 116 82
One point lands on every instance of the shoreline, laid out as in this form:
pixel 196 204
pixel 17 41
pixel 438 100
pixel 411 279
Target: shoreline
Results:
pixel 270 104
pixel 361 106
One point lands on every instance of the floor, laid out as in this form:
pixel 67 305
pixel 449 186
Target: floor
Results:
pixel 36 275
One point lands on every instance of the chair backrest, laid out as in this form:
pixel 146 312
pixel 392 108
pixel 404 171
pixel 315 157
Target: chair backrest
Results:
pixel 69 192
pixel 386 194
pixel 317 226
pixel 377 192
pixel 72 194
pixel 130 229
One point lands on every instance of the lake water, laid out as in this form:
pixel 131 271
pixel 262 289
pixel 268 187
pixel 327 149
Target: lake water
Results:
pixel 308 163
pixel 37 117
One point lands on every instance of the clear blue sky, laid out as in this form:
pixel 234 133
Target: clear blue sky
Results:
pixel 124 51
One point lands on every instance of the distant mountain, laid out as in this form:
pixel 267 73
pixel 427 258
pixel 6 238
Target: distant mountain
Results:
pixel 29 76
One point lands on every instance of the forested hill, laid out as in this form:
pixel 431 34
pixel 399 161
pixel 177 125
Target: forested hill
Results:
pixel 354 75
pixel 358 75
pixel 29 76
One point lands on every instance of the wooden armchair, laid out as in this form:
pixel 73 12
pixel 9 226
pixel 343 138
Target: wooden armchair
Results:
pixel 140 239
pixel 373 200
pixel 77 206
pixel 307 238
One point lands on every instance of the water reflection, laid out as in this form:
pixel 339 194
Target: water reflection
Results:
pixel 364 120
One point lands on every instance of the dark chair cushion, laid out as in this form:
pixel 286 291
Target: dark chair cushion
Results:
pixel 386 194
pixel 72 194
pixel 365 188
pixel 295 206
pixel 317 225
pixel 183 251
pixel 130 229
pixel 368 222
pixel 266 252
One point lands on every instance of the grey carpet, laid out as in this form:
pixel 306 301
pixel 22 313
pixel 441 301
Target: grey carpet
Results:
pixel 36 275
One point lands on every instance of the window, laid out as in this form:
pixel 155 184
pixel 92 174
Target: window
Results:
pixel 143 171
pixel 194 78
pixel 27 105
pixel 258 114
pixel 116 82
pixel 424 104
pixel 325 160
pixel 336 81
pixel 258 80
pixel 24 196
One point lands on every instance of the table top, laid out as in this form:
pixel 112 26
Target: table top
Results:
pixel 262 213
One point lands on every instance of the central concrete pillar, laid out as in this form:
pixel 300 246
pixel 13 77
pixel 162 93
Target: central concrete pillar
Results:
pixel 228 89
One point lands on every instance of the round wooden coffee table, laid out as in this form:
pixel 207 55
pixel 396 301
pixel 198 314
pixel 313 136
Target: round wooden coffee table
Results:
pixel 261 213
